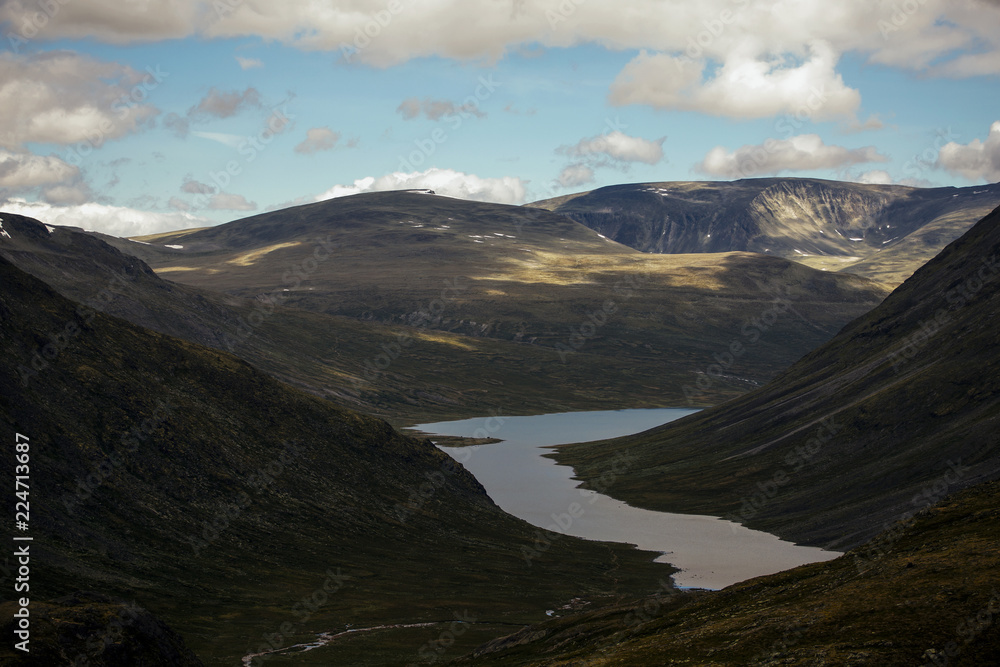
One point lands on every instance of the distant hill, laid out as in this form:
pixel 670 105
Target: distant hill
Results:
pixel 883 232
pixel 900 408
pixel 181 478
pixel 507 295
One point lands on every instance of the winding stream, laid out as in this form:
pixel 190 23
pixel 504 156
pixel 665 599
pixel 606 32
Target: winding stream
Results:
pixel 711 552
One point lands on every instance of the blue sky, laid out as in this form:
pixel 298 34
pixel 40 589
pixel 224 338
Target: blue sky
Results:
pixel 156 116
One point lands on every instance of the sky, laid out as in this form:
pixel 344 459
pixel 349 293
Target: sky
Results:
pixel 134 117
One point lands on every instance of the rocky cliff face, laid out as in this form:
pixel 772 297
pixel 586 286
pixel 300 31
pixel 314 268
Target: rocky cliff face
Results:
pixel 878 231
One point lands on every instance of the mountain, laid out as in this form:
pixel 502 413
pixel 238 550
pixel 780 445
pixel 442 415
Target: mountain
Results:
pixel 923 593
pixel 899 409
pixel 884 232
pixel 507 295
pixel 247 514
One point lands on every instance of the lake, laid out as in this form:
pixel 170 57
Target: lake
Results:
pixel 711 552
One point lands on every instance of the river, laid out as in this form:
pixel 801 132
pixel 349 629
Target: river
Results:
pixel 711 552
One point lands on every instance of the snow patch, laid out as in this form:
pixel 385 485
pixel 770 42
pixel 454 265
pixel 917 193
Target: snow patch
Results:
pixel 174 247
pixel 49 229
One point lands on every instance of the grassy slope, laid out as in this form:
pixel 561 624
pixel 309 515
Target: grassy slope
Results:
pixel 334 505
pixel 900 425
pixel 879 231
pixel 441 374
pixel 929 584
pixel 395 252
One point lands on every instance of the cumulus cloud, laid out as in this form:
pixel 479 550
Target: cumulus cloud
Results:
pixel 215 104
pixel 799 153
pixel 976 160
pixel 574 175
pixel 65 195
pixel 505 190
pixel 617 146
pixel 744 87
pixel 318 139
pixel 22 171
pixel 194 187
pixel 113 220
pixel 412 107
pixel 224 201
pixel 368 31
pixel 875 177
pixel 768 53
pixel 64 98
pixel 248 63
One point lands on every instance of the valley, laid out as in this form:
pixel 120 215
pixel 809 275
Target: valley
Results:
pixel 214 412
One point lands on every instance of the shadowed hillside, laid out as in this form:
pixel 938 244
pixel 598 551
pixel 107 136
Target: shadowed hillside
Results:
pixel 179 477
pixel 901 407
pixel 607 325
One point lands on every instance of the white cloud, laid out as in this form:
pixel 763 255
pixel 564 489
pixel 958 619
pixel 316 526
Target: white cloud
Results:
pixel 875 177
pixel 744 87
pixel 770 52
pixel 412 107
pixel 248 63
pixel 800 153
pixel 113 220
pixel 23 171
pixel 574 175
pixel 64 98
pixel 194 187
pixel 224 201
pixel 215 104
pixel 976 160
pixel 617 146
pixel 318 139
pixel 505 190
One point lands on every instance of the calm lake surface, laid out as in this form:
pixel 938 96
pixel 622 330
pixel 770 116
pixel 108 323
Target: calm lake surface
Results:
pixel 710 552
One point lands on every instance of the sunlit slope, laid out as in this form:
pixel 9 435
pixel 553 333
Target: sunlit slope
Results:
pixel 546 283
pixel 881 231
